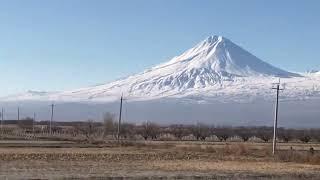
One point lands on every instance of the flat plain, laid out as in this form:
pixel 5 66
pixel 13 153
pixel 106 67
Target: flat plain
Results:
pixel 157 160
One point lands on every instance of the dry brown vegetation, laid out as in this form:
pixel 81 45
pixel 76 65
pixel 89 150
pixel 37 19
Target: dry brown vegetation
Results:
pixel 90 149
pixel 157 159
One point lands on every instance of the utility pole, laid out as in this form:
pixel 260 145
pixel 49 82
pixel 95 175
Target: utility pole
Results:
pixel 198 128
pixel 18 114
pixel 51 120
pixel 120 116
pixel 2 117
pixel 275 125
pixel 33 122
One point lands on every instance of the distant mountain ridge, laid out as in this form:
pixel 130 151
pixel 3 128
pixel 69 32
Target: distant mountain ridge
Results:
pixel 215 69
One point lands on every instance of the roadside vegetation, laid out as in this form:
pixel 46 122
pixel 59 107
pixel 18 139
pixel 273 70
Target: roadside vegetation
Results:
pixel 92 131
pixel 194 150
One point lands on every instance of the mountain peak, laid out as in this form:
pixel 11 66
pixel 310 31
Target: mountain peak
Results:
pixel 210 41
pixel 214 38
pixel 220 56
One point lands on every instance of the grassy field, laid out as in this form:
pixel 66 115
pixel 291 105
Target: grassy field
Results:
pixel 157 160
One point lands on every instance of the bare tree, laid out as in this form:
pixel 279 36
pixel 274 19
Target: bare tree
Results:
pixel 200 131
pixel 304 136
pixel 316 134
pixel 285 134
pixel 143 131
pixel 149 130
pixel 128 130
pixel 179 131
pixel 26 123
pixel 222 133
pixel 154 131
pixel 245 133
pixel 264 133
pixel 88 129
pixel 109 125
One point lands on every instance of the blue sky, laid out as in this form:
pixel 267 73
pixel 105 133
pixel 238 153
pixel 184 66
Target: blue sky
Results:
pixel 59 45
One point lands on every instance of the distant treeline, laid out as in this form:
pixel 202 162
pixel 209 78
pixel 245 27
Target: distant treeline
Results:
pixel 30 121
pixel 153 131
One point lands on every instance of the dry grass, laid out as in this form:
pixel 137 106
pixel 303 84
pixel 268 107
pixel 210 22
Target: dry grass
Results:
pixel 157 169
pixel 299 157
pixel 274 168
pixel 159 160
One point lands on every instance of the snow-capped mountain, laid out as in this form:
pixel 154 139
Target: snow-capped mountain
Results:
pixel 216 69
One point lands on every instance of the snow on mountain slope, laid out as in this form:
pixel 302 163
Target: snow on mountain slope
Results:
pixel 215 69
pixel 218 55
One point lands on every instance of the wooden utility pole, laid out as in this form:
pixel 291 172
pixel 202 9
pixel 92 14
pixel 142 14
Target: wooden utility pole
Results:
pixel 33 122
pixel 120 116
pixel 51 120
pixel 18 114
pixel 198 128
pixel 2 118
pixel 275 125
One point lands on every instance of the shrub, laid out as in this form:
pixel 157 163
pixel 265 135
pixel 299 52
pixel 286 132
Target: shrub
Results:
pixel 26 123
pixel 200 131
pixel 264 133
pixel 149 130
pixel 298 156
pixel 88 129
pixel 304 136
pixel 285 134
pixel 179 131
pixel 222 133
pixel 109 125
pixel 244 133
pixel 315 133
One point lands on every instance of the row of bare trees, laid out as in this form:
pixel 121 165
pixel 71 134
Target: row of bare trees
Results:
pixel 202 132
pixel 152 131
